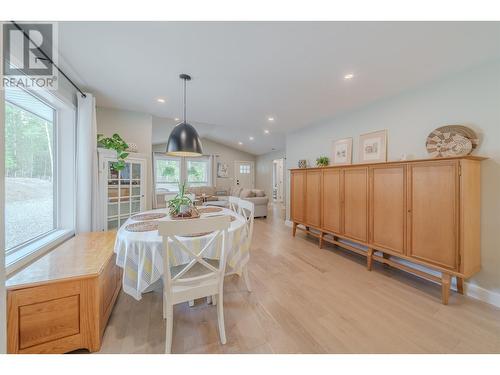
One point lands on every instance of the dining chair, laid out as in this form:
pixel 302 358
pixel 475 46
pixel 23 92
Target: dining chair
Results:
pixel 233 203
pixel 247 210
pixel 198 278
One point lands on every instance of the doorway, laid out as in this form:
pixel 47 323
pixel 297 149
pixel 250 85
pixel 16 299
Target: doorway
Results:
pixel 278 180
pixel 244 174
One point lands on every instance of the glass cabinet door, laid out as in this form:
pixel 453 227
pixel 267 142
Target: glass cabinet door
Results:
pixel 124 190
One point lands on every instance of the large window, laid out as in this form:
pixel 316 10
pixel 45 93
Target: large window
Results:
pixel 197 171
pixel 30 184
pixel 169 171
pixel 40 151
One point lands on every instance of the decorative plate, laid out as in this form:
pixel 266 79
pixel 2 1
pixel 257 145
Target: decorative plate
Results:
pixel 150 216
pixel 206 210
pixel 450 143
pixel 462 130
pixel 142 226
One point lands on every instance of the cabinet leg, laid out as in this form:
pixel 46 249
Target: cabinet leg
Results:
pixel 386 256
pixel 460 285
pixel 445 287
pixel 294 229
pixel 369 260
pixel 321 240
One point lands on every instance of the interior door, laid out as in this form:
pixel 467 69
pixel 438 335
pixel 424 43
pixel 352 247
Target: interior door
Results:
pixel 388 207
pixel 244 174
pixel 433 210
pixel 298 195
pixel 313 198
pixel 332 200
pixel 356 203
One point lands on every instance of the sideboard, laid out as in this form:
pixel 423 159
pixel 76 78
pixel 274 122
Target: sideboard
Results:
pixel 424 212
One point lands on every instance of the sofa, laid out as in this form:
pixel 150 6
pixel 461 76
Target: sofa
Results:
pixel 256 196
pixel 219 197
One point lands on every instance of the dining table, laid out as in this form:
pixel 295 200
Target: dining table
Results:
pixel 140 253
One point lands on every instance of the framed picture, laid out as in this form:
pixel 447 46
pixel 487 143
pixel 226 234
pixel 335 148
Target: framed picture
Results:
pixel 222 170
pixel 342 151
pixel 373 147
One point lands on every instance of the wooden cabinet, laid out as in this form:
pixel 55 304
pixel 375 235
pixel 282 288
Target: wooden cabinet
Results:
pixel 423 211
pixel 433 209
pixel 388 207
pixel 313 198
pixel 298 196
pixel 356 203
pixel 332 200
pixel 62 301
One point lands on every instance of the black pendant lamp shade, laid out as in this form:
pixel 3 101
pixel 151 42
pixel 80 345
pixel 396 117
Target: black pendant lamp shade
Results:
pixel 184 139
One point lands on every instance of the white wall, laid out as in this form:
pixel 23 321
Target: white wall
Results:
pixel 225 154
pixel 264 171
pixel 133 127
pixel 471 98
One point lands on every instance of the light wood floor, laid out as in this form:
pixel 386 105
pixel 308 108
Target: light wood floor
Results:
pixel 307 300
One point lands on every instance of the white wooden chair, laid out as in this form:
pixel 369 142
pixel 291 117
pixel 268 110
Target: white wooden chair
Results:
pixel 247 210
pixel 233 203
pixel 200 277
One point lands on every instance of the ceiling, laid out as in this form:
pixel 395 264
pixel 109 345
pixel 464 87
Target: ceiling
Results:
pixel 244 72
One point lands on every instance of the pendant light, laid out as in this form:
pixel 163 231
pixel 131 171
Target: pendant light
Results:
pixel 184 139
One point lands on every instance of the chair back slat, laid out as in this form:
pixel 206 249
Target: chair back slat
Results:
pixel 247 210
pixel 234 203
pixel 171 230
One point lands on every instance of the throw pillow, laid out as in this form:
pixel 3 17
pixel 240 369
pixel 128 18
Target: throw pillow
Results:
pixel 247 193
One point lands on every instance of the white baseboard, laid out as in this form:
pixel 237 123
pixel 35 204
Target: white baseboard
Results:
pixel 488 296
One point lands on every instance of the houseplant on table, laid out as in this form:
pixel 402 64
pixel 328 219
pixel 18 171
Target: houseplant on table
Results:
pixel 181 205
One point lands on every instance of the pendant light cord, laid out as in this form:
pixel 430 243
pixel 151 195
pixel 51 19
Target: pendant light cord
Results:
pixel 184 100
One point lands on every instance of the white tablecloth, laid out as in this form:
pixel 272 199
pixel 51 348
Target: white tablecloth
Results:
pixel 140 254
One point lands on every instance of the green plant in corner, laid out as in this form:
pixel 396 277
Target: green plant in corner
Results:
pixel 322 161
pixel 116 143
pixel 180 204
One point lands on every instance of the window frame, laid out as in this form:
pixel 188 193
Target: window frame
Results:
pixel 55 177
pixel 64 181
pixel 183 175
pixel 203 158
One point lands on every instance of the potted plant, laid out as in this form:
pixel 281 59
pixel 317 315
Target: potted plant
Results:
pixel 181 204
pixel 322 161
pixel 114 143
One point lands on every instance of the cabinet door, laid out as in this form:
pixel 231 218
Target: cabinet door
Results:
pixel 433 204
pixel 356 203
pixel 332 200
pixel 298 195
pixel 313 198
pixel 123 191
pixel 388 207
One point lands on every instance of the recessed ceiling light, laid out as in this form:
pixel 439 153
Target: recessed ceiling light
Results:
pixel 160 100
pixel 349 76
pixel 251 138
pixel 266 131
pixel 176 119
pixel 240 143
pixel 271 119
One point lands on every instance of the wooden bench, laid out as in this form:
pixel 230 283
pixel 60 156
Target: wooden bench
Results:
pixel 62 302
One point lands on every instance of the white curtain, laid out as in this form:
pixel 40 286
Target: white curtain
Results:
pixel 88 207
pixel 213 169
